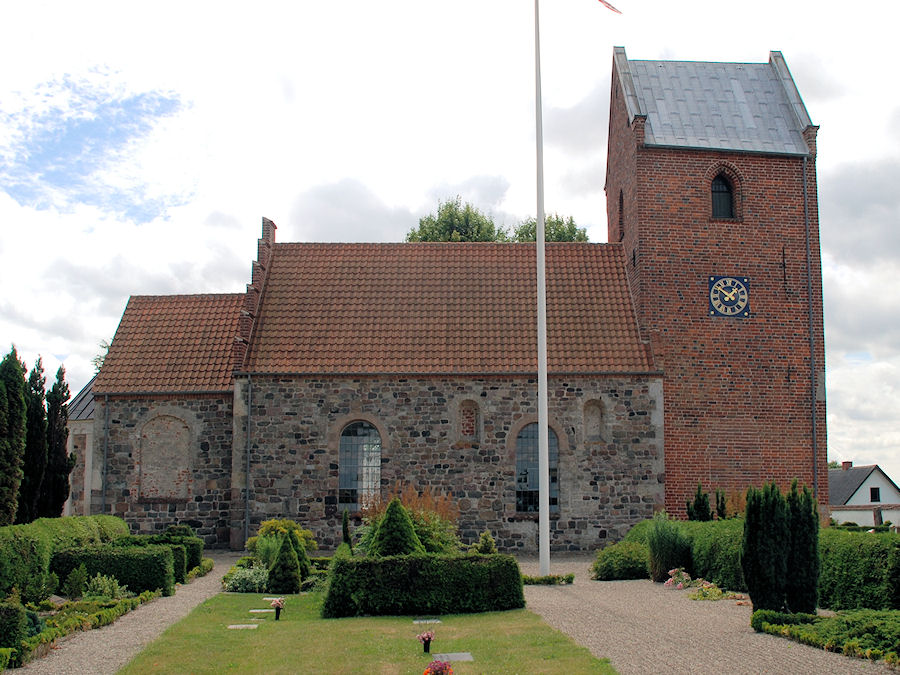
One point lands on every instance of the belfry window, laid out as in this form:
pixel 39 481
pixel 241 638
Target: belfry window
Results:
pixel 722 198
pixel 359 464
pixel 527 476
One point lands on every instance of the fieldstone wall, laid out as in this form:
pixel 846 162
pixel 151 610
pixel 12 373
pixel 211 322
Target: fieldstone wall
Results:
pixel 169 460
pixel 457 436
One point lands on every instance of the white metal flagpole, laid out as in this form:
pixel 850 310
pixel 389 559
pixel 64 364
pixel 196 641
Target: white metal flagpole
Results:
pixel 543 435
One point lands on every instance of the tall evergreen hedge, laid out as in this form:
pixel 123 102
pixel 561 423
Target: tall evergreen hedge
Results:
pixel 140 568
pixel 35 456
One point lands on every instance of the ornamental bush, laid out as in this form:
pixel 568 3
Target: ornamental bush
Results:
pixel 284 575
pixel 669 548
pixel 246 580
pixel 422 584
pixel 395 534
pixel 76 581
pixel 13 624
pixel 801 594
pixel 699 509
pixel 624 560
pixel 303 564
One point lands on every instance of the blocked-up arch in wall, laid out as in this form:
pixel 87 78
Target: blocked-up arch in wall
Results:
pixel 593 421
pixel 164 470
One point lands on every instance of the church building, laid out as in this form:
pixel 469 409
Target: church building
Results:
pixel 689 348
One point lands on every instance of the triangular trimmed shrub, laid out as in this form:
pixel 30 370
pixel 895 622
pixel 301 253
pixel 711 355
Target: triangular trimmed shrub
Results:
pixel 395 534
pixel 284 575
pixel 302 557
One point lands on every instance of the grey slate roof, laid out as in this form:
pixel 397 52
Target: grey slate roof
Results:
pixel 842 483
pixel 747 107
pixel 82 406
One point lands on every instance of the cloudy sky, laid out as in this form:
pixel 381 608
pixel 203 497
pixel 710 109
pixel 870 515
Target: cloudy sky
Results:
pixel 140 145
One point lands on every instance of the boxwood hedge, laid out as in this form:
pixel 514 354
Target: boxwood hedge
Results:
pixel 25 550
pixel 140 568
pixel 422 584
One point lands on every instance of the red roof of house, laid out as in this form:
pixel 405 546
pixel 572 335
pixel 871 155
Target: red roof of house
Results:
pixel 443 308
pixel 172 343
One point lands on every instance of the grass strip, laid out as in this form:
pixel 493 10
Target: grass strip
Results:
pixel 515 641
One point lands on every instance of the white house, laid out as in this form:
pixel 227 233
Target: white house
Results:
pixel 864 495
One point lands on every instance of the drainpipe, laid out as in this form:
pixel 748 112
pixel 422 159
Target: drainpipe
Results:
pixel 812 341
pixel 105 453
pixel 247 461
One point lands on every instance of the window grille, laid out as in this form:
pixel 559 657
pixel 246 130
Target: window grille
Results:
pixel 359 462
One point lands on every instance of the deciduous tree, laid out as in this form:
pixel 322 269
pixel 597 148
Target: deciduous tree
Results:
pixel 457 222
pixel 556 228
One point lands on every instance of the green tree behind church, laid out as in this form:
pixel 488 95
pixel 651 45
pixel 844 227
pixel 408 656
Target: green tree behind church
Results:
pixel 455 221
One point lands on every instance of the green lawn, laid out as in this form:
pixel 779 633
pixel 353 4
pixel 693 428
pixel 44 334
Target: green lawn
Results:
pixel 516 641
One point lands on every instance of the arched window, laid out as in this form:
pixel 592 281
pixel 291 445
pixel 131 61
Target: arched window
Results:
pixel 722 198
pixel 359 462
pixel 527 477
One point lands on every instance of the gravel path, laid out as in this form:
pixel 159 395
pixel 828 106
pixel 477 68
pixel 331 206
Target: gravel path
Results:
pixel 105 650
pixel 642 627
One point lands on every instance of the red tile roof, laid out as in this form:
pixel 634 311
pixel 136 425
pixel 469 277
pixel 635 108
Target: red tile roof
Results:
pixel 172 343
pixel 443 308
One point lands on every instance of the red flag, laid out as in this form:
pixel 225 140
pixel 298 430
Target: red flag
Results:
pixel 609 6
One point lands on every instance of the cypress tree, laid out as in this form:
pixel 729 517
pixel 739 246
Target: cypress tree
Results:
pixel 766 542
pixel 284 575
pixel 55 488
pixel 395 534
pixel 303 563
pixel 35 459
pixel 721 505
pixel 12 434
pixel 803 556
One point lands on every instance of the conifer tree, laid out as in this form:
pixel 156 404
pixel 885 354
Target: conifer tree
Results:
pixel 699 510
pixel 803 556
pixel 395 534
pixel 35 458
pixel 303 563
pixel 55 488
pixel 345 529
pixel 764 554
pixel 284 575
pixel 12 434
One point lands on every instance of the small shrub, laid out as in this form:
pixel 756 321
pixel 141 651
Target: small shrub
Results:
pixel 624 560
pixel 284 575
pixel 303 564
pixel 669 548
pixel 103 586
pixel 180 531
pixel 721 505
pixel 433 517
pixel 205 567
pixel 485 544
pixel 246 580
pixel 267 548
pixel 279 527
pixel 548 580
pixel 75 582
pixel 13 624
pixel 395 534
pixel 699 509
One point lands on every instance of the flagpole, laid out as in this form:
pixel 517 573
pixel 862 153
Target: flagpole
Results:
pixel 543 435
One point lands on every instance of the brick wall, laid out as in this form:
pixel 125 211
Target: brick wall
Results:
pixel 610 470
pixel 738 394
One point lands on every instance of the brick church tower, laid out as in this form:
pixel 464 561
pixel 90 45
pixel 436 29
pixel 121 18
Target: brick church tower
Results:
pixel 711 189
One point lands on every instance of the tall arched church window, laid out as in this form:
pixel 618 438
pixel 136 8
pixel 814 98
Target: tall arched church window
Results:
pixel 722 198
pixel 359 462
pixel 527 477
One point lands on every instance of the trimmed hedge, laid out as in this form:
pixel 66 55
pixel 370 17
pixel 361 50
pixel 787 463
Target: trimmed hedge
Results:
pixel 25 550
pixel 624 560
pixel 422 584
pixel 179 551
pixel 140 568
pixel 859 570
pixel 716 551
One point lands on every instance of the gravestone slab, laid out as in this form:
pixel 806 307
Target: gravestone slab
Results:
pixel 454 656
pixel 243 626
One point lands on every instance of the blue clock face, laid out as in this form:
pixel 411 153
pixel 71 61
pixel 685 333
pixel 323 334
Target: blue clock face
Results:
pixel 729 296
